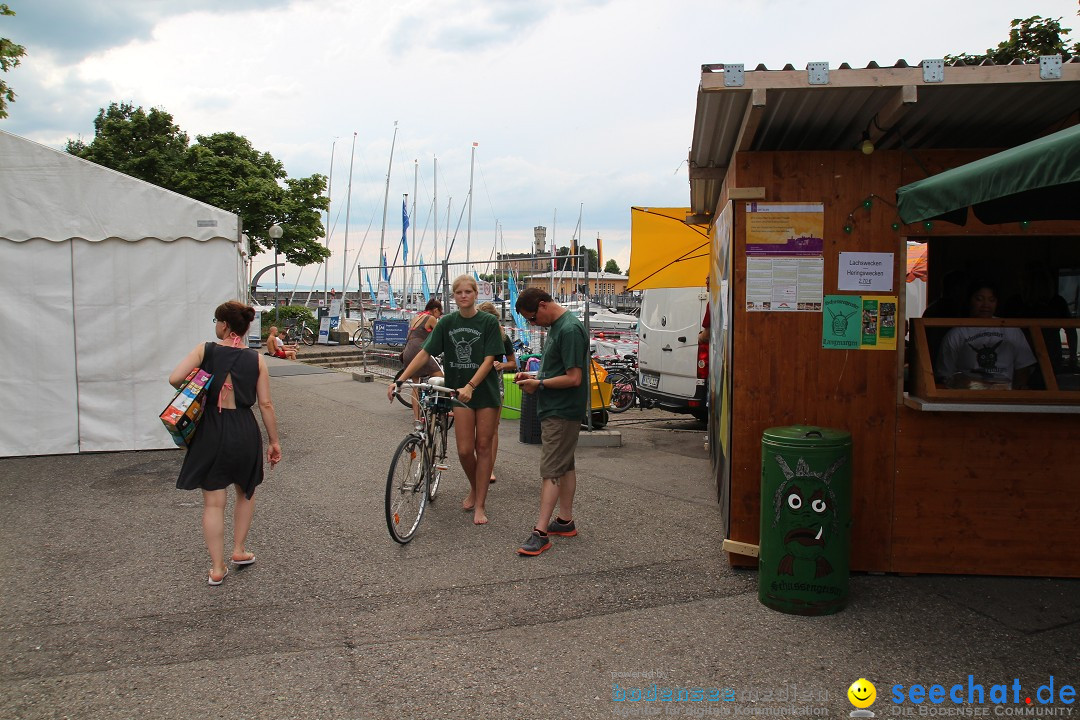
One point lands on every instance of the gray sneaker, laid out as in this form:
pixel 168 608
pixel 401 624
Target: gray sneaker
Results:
pixel 535 545
pixel 557 527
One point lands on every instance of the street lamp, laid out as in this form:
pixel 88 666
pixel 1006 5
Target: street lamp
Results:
pixel 275 235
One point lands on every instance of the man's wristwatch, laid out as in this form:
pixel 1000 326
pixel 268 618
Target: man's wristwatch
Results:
pixel 540 386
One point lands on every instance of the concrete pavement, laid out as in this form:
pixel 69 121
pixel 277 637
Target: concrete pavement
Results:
pixel 106 612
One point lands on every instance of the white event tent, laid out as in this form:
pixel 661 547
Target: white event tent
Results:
pixel 106 282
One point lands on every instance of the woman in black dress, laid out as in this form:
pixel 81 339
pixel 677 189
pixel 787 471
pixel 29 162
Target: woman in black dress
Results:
pixel 227 446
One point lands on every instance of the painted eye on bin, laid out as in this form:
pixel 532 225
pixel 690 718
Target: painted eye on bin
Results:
pixel 818 505
pixel 794 501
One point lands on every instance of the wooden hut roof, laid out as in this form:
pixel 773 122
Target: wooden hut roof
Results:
pixel 929 105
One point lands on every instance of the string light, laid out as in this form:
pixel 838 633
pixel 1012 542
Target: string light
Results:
pixel 868 204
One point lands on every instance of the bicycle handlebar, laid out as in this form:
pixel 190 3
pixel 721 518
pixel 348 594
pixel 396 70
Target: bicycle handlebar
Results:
pixel 428 386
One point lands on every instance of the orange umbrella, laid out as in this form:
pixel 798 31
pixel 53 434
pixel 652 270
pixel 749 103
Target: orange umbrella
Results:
pixel 916 262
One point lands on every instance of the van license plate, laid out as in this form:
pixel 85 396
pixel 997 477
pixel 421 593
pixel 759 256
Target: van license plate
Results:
pixel 650 381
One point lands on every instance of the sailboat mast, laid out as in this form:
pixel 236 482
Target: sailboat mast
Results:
pixel 577 246
pixel 435 210
pixel 554 253
pixel 468 228
pixel 329 195
pixel 412 223
pixel 386 200
pixel 348 207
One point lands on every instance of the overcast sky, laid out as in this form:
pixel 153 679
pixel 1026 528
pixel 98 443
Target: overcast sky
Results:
pixel 575 104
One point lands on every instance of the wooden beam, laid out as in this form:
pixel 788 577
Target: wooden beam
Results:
pixel 707 173
pixel 746 193
pixel 750 120
pixel 900 101
pixel 889 77
pixel 740 548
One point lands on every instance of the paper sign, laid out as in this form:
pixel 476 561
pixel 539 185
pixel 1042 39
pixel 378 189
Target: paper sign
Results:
pixel 865 271
pixel 840 326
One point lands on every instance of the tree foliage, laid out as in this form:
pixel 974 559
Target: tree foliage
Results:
pixel 10 55
pixel 592 259
pixel 612 267
pixel 222 169
pixel 1028 39
pixel 146 145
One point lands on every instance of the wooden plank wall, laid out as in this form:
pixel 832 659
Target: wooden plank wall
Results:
pixel 781 374
pixel 987 493
pixel 932 492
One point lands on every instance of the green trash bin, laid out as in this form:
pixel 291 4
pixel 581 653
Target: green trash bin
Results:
pixel 511 408
pixel 805 519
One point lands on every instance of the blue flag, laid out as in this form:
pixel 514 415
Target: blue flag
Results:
pixel 423 282
pixel 382 265
pixel 404 228
pixel 519 321
pixel 370 289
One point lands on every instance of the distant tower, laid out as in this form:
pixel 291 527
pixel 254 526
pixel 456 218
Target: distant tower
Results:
pixel 540 233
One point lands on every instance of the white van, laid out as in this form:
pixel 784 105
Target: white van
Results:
pixel 672 368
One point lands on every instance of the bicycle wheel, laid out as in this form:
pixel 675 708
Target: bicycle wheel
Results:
pixel 307 336
pixel 405 489
pixel 437 449
pixel 362 337
pixel 623 392
pixel 403 396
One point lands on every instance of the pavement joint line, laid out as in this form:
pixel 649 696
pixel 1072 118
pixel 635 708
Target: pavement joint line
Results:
pixel 374 599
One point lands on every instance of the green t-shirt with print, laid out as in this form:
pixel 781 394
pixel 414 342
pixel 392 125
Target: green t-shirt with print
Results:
pixel 464 343
pixel 564 349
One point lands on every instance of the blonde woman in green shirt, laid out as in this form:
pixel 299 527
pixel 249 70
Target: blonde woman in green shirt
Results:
pixel 468 340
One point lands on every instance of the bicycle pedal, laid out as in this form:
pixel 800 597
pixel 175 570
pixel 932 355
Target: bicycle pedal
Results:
pixel 442 467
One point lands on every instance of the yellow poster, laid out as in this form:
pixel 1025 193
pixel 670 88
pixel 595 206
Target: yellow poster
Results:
pixel 785 228
pixel 878 322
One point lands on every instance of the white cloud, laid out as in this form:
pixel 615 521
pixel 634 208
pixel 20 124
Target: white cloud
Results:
pixel 572 103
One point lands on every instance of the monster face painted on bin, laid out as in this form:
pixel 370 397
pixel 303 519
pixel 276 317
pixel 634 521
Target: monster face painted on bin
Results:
pixel 804 508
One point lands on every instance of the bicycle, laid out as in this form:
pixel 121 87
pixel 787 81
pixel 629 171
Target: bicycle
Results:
pixel 419 461
pixel 407 400
pixel 622 374
pixel 623 390
pixel 294 334
pixel 362 338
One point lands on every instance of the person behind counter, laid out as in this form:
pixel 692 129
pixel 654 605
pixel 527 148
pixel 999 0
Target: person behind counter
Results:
pixel 984 358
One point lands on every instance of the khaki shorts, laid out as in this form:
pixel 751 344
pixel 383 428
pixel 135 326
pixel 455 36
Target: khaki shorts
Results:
pixel 560 438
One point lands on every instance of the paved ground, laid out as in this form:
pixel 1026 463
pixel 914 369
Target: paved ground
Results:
pixel 106 612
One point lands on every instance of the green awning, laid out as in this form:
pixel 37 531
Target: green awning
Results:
pixel 1039 180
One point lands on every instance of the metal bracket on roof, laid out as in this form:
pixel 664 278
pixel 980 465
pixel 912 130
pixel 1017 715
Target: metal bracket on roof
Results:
pixel 1050 67
pixel 817 73
pixel 933 71
pixel 733 75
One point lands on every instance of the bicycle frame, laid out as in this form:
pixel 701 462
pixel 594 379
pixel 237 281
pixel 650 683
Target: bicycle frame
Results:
pixel 428 439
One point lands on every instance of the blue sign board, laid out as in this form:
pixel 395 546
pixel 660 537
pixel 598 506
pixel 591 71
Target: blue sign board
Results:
pixel 391 332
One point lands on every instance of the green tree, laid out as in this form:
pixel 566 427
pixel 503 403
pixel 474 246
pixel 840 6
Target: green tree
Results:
pixel 612 267
pixel 146 145
pixel 222 169
pixel 9 58
pixel 1028 39
pixel 591 259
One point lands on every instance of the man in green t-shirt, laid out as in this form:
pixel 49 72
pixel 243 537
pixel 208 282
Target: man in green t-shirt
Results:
pixel 562 401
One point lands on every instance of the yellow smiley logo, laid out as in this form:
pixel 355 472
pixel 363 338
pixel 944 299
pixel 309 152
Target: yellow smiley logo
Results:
pixel 862 693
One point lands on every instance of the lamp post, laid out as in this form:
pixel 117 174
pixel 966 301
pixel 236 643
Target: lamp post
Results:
pixel 275 235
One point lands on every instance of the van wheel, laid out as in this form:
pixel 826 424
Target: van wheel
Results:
pixel 702 415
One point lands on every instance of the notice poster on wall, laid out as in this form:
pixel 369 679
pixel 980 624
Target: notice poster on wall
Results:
pixel 784 284
pixel 792 229
pixel 854 322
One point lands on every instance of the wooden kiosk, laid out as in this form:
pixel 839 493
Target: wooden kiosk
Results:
pixel 960 482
